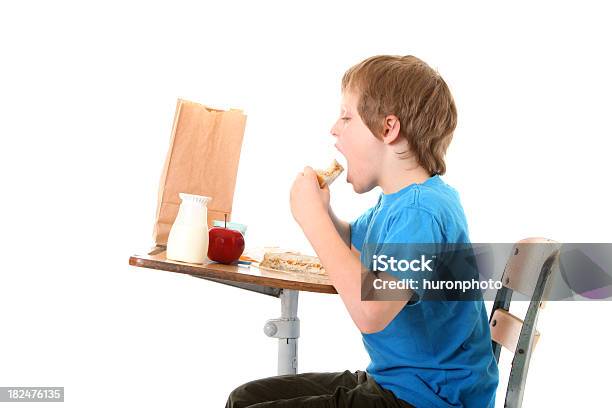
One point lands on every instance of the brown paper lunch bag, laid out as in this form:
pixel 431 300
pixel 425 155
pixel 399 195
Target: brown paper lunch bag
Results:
pixel 202 159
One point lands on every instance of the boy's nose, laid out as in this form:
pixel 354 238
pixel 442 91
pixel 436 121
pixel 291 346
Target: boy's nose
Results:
pixel 333 130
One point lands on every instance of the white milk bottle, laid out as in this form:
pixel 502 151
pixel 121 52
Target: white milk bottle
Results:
pixel 188 238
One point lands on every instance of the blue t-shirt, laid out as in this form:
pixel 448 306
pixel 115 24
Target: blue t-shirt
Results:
pixel 433 353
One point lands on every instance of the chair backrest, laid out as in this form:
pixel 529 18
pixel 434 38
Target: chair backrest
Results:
pixel 528 272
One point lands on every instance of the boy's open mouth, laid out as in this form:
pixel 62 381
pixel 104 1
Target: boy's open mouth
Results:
pixel 343 161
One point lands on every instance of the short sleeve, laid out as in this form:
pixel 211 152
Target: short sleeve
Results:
pixel 359 228
pixel 413 226
pixel 408 248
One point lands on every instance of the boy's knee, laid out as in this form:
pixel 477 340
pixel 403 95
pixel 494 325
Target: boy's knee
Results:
pixel 239 397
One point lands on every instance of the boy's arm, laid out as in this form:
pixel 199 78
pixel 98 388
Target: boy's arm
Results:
pixel 342 227
pixel 344 230
pixel 310 208
pixel 344 270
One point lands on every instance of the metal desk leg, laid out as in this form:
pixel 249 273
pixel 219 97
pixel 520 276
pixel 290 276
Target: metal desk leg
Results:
pixel 287 330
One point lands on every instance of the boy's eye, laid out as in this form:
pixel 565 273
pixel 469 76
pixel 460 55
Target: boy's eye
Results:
pixel 345 118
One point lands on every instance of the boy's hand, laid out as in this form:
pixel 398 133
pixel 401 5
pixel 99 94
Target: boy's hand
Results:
pixel 308 201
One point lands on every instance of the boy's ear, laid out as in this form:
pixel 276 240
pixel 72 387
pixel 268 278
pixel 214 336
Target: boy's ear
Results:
pixel 391 128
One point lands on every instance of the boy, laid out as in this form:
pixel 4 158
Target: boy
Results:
pixel 397 120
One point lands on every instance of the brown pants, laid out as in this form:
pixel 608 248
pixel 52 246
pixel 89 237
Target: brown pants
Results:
pixel 344 389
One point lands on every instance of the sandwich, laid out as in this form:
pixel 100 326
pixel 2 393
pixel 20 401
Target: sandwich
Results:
pixel 328 175
pixel 292 262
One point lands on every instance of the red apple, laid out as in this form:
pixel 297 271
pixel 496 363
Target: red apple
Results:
pixel 224 245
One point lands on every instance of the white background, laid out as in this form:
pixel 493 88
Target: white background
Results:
pixel 87 97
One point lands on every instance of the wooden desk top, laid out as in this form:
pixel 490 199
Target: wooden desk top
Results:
pixel 156 259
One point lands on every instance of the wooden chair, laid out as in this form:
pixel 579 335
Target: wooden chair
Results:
pixel 528 271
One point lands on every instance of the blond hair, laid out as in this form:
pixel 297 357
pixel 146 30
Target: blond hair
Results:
pixel 408 88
